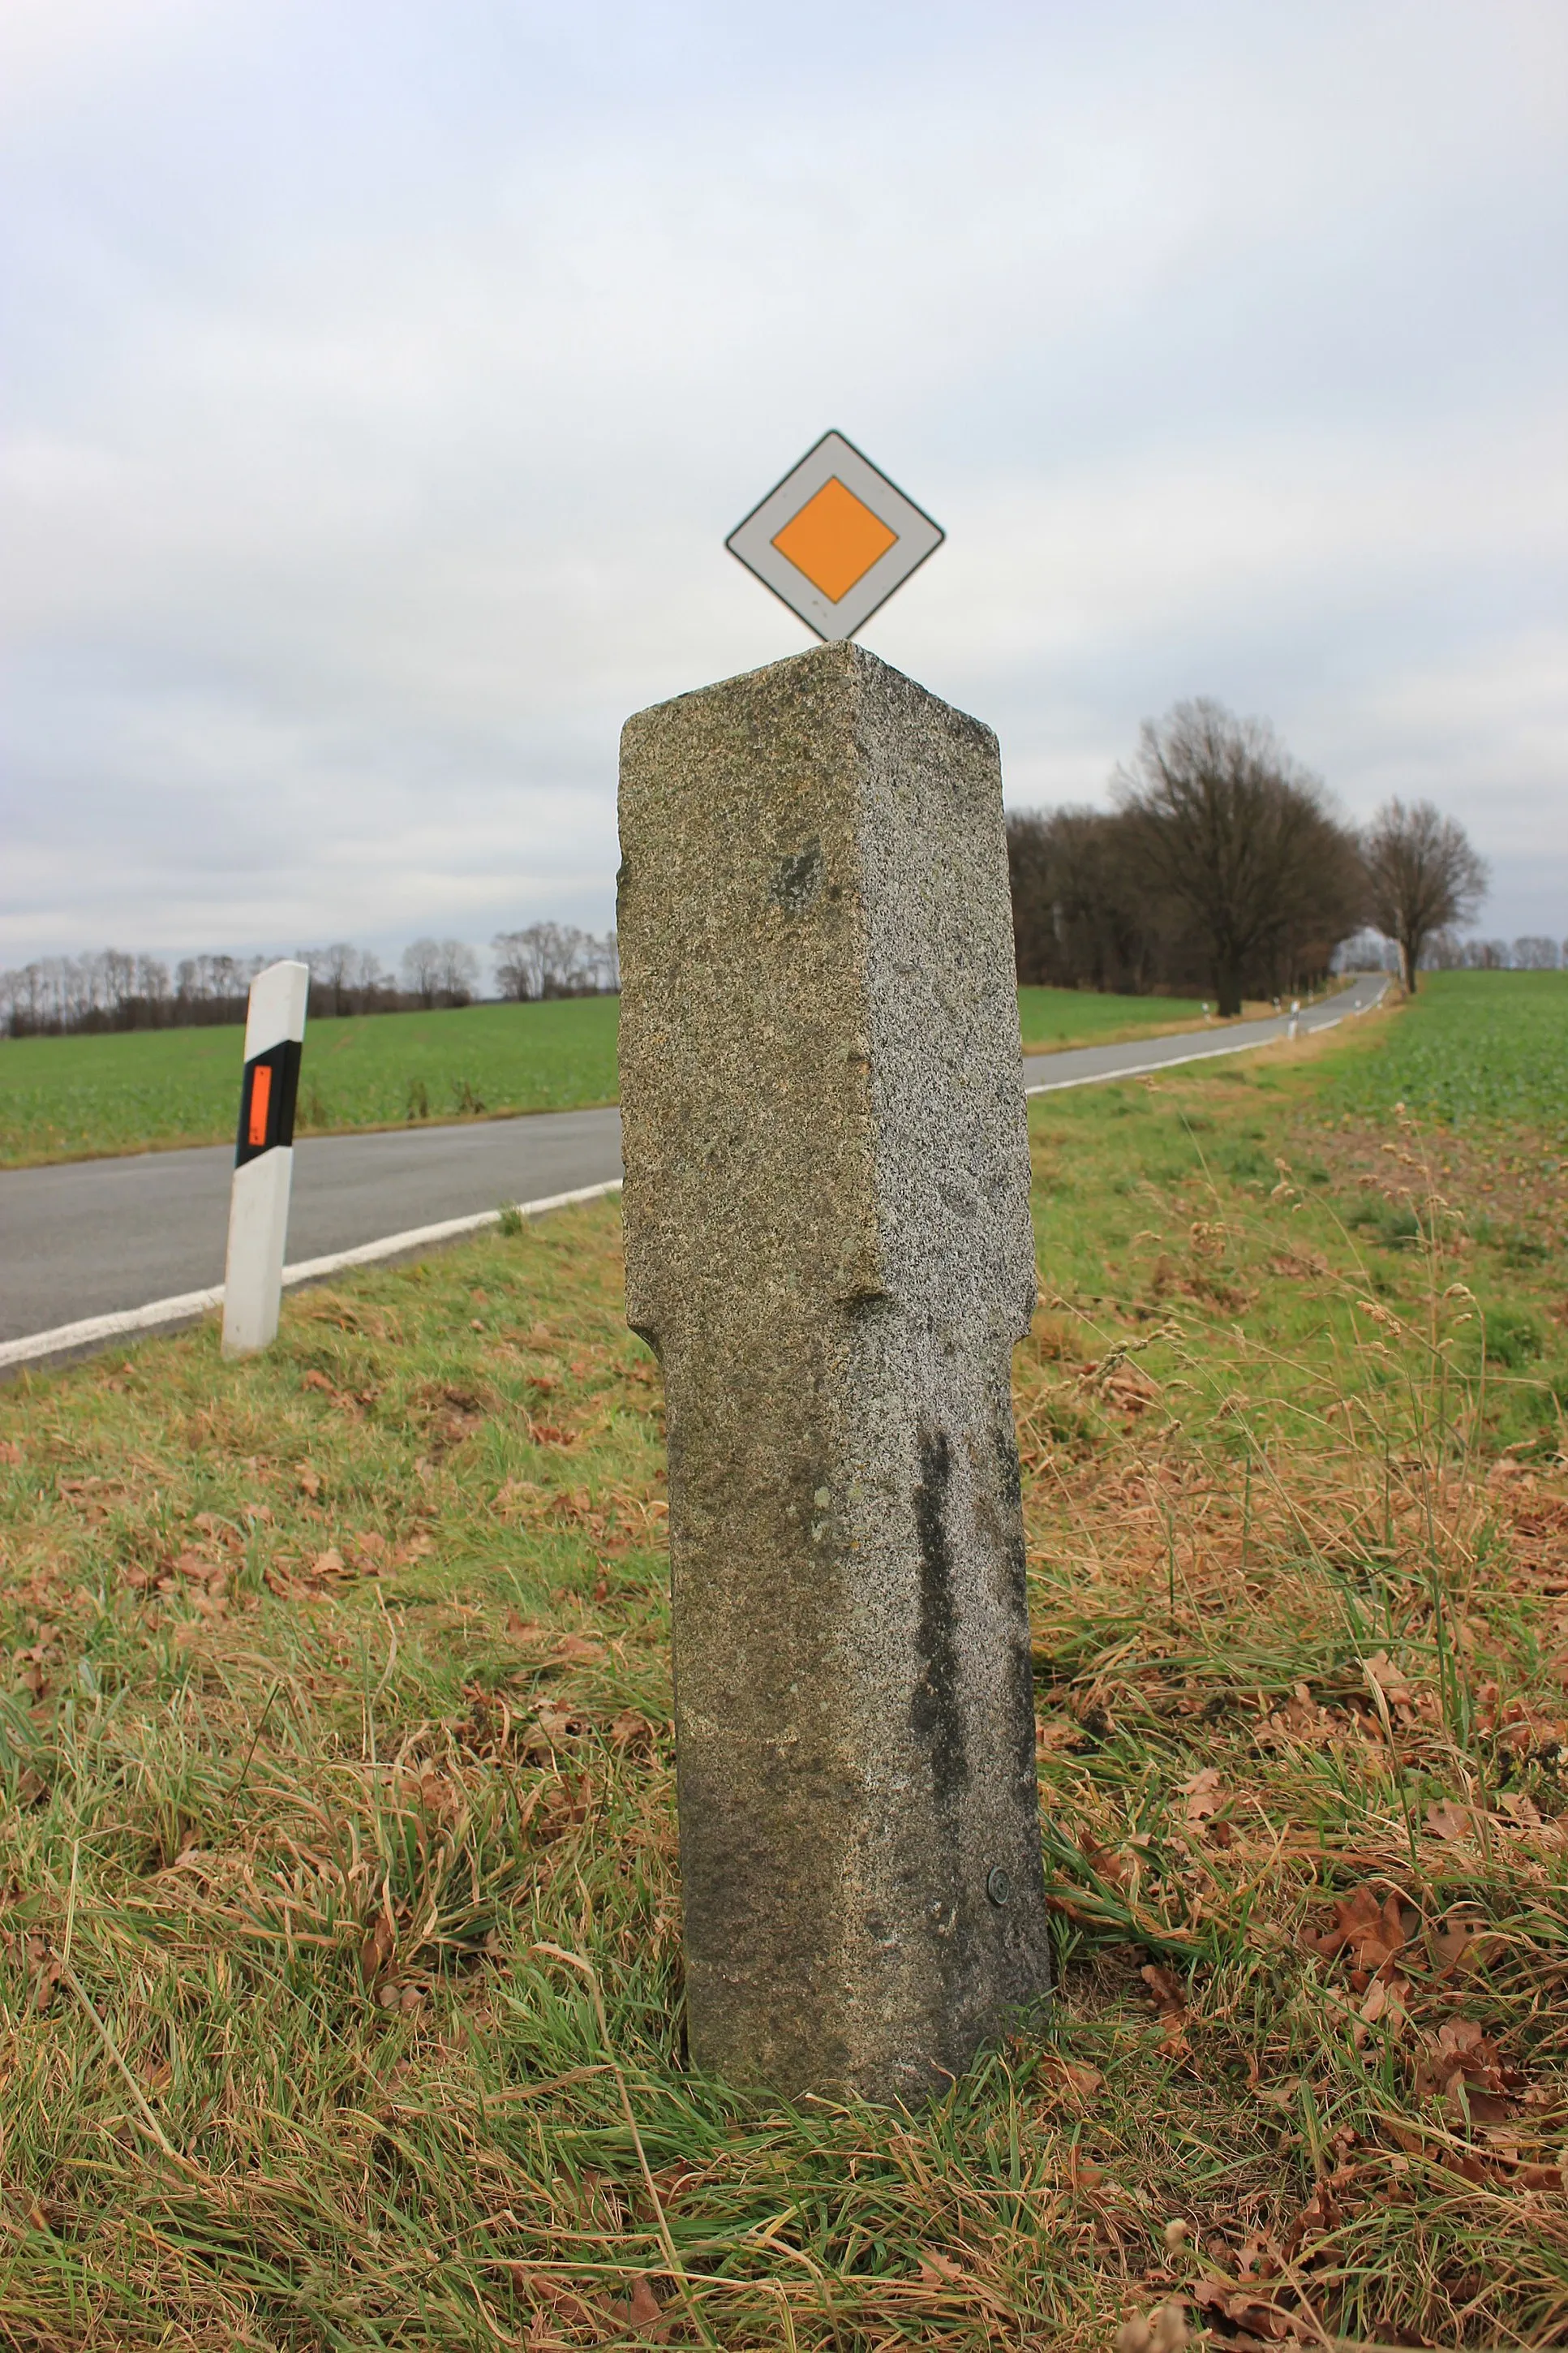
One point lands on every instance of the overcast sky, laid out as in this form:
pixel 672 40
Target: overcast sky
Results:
pixel 384 375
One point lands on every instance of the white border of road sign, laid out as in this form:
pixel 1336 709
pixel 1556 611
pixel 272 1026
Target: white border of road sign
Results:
pixel 915 538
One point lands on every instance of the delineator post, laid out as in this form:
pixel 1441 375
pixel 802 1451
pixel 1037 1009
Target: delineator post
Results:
pixel 828 1244
pixel 264 1158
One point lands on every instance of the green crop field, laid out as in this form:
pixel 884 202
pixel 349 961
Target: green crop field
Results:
pixel 339 1964
pixel 68 1098
pixel 77 1098
pixel 1473 1050
pixel 1055 1018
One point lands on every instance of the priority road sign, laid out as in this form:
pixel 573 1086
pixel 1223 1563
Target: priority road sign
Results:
pixel 835 538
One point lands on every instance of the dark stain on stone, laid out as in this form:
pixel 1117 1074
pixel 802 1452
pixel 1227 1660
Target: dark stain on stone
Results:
pixel 935 1711
pixel 796 880
pixel 1015 1603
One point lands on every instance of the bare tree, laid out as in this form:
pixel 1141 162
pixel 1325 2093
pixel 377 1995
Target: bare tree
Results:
pixel 1227 826
pixel 344 979
pixel 517 974
pixel 1444 952
pixel 1534 954
pixel 555 960
pixel 1422 877
pixel 459 969
pixel 422 970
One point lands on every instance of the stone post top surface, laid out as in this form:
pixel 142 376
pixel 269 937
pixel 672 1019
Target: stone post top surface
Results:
pixel 817 667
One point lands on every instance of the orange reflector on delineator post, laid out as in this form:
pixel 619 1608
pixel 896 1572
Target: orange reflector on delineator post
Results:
pixel 260 1096
pixel 835 538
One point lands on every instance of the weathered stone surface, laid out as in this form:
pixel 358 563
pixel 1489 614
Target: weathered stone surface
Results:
pixel 828 1244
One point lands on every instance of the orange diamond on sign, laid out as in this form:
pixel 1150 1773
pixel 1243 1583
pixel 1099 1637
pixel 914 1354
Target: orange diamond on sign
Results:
pixel 835 540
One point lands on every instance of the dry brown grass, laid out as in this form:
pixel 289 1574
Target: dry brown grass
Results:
pixel 340 1998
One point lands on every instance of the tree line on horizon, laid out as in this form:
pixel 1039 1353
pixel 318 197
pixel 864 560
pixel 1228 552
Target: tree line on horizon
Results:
pixel 111 989
pixel 1221 867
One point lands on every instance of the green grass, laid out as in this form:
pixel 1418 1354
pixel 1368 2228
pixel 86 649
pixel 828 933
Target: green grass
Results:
pixel 69 1098
pixel 1476 1049
pixel 1053 1017
pixel 77 1098
pixel 339 1986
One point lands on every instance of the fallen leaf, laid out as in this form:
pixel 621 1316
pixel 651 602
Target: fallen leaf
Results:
pixel 645 2313
pixel 559 1723
pixel 376 1949
pixel 1383 1675
pixel 1081 2080
pixel 1450 1945
pixel 938 2270
pixel 631 1730
pixel 1445 1820
pixel 1262 2320
pixel 1204 1794
pixel 1385 1995
pixel 1114 1868
pixel 577 1646
pixel 1169 1997
pixel 1371 1933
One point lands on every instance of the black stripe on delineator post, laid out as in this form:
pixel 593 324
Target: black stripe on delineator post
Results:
pixel 282 1063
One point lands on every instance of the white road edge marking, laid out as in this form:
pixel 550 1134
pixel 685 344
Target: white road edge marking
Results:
pixel 190 1303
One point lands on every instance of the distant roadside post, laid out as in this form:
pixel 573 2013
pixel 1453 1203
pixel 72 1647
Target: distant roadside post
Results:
pixel 828 1243
pixel 264 1158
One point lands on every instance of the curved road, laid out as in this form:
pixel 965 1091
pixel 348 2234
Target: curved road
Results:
pixel 93 1237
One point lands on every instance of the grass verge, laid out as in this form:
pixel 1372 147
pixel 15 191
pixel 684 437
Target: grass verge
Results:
pixel 339 1957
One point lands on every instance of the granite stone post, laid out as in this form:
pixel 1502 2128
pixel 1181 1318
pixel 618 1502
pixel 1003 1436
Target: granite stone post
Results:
pixel 829 1245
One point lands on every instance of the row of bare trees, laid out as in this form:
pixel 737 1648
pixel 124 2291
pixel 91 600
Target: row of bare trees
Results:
pixel 556 960
pixel 1445 950
pixel 58 996
pixel 1221 865
pixel 114 990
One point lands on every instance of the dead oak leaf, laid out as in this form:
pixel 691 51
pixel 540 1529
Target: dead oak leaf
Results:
pixel 631 1730
pixel 576 1647
pixel 938 2270
pixel 1074 2075
pixel 643 2312
pixel 1466 2070
pixel 1386 1681
pixel 1205 1795
pixel 1367 1933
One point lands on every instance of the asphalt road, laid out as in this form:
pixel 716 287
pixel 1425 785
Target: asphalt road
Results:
pixel 95 1236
